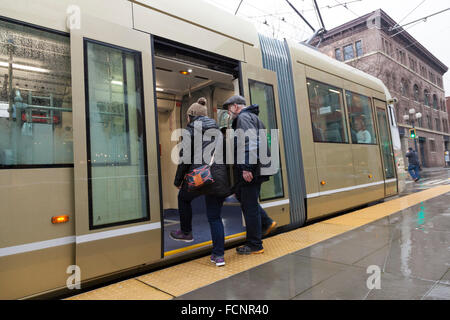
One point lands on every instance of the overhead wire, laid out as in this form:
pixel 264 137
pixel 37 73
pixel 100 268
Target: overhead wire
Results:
pixel 345 6
pixel 398 23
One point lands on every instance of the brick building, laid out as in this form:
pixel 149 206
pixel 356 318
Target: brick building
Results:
pixel 413 75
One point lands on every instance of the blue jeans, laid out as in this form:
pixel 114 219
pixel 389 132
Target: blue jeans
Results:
pixel 414 171
pixel 213 209
pixel 255 217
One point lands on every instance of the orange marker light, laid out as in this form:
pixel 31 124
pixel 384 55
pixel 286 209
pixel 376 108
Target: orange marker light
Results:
pixel 60 219
pixel 184 72
pixel 370 176
pixel 322 182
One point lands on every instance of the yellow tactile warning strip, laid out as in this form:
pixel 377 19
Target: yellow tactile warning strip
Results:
pixel 125 290
pixel 186 277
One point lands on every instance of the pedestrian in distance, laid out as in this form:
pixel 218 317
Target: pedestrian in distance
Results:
pixel 413 164
pixel 248 177
pixel 215 193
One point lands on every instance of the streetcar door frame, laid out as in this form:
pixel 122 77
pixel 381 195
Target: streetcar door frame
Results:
pixel 277 207
pixel 390 184
pixel 109 248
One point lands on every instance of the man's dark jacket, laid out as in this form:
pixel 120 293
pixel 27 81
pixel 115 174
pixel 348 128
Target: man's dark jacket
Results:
pixel 413 158
pixel 221 185
pixel 248 119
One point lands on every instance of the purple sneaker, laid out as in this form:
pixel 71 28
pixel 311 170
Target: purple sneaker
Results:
pixel 219 261
pixel 181 236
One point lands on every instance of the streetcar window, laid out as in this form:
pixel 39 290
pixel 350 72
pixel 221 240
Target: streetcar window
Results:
pixel 361 118
pixel 35 97
pixel 327 113
pixel 117 173
pixel 262 94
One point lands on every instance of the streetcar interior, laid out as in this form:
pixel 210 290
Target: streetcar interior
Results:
pixel 180 81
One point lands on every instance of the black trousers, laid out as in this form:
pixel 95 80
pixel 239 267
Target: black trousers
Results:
pixel 256 218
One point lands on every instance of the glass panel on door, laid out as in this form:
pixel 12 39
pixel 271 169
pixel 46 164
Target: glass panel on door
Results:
pixel 262 94
pixel 116 141
pixel 385 144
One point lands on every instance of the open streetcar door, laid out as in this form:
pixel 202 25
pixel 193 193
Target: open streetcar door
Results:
pixel 117 203
pixel 386 149
pixel 260 87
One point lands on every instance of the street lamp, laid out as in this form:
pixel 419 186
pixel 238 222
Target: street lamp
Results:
pixel 410 117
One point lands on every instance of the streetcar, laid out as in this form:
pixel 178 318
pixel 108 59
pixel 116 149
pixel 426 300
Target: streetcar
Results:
pixel 90 93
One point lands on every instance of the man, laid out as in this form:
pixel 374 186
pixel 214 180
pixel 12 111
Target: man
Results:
pixel 413 164
pixel 248 177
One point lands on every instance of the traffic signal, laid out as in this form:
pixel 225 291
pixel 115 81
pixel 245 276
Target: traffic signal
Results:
pixel 412 133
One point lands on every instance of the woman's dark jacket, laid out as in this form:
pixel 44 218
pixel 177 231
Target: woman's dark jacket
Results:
pixel 221 185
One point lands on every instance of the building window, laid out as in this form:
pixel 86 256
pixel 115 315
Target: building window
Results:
pixel 445 124
pixel 348 52
pixel 359 50
pixel 338 54
pixel 327 113
pixel 404 88
pixel 432 145
pixel 35 97
pixel 438 124
pixel 431 77
pixel 416 93
pixel 361 118
pixel 429 122
pixel 435 102
pixel 387 47
pixel 420 123
pixel 426 98
pixel 423 71
pixel 116 144
pixel 262 94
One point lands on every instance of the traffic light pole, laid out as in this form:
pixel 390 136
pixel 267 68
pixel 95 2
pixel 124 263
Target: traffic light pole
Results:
pixel 415 138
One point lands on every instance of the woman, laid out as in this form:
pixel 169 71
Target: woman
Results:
pixel 215 193
pixel 362 134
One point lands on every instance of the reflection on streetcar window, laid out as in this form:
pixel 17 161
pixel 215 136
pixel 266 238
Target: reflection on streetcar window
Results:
pixel 386 144
pixel 262 95
pixel 327 113
pixel 361 118
pixel 116 141
pixel 35 97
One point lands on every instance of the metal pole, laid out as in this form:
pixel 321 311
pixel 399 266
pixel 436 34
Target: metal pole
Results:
pixel 320 16
pixel 415 138
pixel 238 7
pixel 306 21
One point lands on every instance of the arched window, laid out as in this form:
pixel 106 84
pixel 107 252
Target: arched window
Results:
pixel 435 101
pixel 416 92
pixel 429 122
pixel 426 98
pixel 403 87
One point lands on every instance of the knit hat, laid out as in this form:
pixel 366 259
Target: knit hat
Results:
pixel 198 108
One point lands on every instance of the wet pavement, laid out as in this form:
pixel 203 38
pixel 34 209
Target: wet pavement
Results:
pixel 409 250
pixel 430 177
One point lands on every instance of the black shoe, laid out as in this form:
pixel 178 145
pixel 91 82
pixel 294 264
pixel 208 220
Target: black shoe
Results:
pixel 248 250
pixel 269 229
